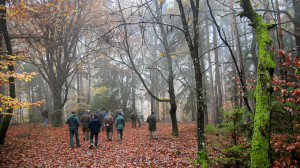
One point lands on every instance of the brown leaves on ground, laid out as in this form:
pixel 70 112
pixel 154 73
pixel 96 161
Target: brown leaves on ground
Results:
pixel 31 145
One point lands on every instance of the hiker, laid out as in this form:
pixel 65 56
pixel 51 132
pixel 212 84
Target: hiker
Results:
pixel 133 117
pixel 73 122
pixel 120 124
pixel 109 123
pixel 45 116
pixel 104 114
pixel 139 119
pixel 98 113
pixel 152 125
pixel 115 115
pixel 85 119
pixel 94 126
pixel 122 113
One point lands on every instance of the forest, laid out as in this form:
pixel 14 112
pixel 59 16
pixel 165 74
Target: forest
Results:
pixel 222 76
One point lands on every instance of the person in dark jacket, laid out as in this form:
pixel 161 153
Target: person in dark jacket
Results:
pixel 73 122
pixel 109 123
pixel 120 124
pixel 94 126
pixel 45 116
pixel 139 119
pixel 151 120
pixel 85 119
pixel 133 117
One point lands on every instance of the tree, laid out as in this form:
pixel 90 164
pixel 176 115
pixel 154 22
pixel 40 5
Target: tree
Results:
pixel 260 140
pixel 127 48
pixel 12 93
pixel 192 39
pixel 218 85
pixel 7 58
pixel 52 32
pixel 296 21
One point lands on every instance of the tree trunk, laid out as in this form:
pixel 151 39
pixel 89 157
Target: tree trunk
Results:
pixel 170 82
pixel 157 107
pixel 296 4
pixel 11 80
pixel 260 148
pixel 253 49
pixel 235 33
pixel 202 68
pixel 58 108
pixel 193 44
pixel 211 88
pixel 133 86
pixel 202 65
pixel 218 85
pixel 193 105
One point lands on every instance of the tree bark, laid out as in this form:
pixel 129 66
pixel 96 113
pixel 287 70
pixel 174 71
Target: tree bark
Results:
pixel 260 152
pixel 58 108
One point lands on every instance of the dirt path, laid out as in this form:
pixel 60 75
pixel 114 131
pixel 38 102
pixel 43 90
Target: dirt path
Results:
pixel 34 146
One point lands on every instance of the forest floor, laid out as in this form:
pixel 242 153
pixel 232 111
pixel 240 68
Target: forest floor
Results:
pixel 31 145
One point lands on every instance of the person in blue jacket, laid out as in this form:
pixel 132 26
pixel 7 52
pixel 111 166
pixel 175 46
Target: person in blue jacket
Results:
pixel 94 126
pixel 73 122
pixel 104 114
pixel 120 124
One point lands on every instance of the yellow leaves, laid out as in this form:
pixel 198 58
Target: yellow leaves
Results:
pixel 10 103
pixel 100 90
pixel 7 113
pixel 2 7
pixel 173 54
pixel 49 4
pixel 160 54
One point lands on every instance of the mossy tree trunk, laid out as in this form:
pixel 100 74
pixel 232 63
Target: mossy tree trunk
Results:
pixel 12 93
pixel 260 156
